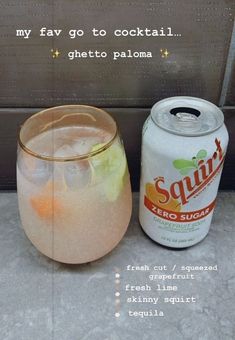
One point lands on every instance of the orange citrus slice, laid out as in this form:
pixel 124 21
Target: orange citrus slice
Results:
pixel 157 198
pixel 45 204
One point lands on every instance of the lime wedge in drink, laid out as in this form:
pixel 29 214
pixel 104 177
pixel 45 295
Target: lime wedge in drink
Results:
pixel 109 167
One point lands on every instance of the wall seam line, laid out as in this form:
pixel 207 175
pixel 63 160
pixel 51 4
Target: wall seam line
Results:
pixel 228 69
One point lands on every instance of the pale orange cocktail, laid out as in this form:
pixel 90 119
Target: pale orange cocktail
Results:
pixel 73 183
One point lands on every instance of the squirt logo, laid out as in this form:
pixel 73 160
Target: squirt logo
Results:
pixel 197 173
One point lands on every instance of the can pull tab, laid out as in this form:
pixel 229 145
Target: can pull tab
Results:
pixel 186 118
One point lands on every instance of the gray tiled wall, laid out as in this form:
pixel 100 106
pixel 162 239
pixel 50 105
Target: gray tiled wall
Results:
pixel 230 73
pixel 201 62
pixel 196 65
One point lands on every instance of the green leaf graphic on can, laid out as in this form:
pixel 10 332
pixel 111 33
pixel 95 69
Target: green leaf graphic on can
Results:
pixel 185 166
pixel 185 171
pixel 183 163
pixel 201 154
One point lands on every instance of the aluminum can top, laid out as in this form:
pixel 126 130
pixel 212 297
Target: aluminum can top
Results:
pixel 187 116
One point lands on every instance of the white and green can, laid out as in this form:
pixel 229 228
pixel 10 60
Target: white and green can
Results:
pixel 184 142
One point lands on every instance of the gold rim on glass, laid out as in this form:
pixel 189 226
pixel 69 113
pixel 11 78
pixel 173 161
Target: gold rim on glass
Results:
pixel 73 158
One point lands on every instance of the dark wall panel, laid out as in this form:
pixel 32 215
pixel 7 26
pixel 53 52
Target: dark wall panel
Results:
pixel 130 122
pixel 228 176
pixel 29 77
pixel 230 73
pixel 230 100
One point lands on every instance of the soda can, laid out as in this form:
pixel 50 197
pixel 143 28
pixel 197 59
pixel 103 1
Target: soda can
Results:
pixel 184 141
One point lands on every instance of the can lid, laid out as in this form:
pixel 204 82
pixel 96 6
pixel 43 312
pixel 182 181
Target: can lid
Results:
pixel 187 116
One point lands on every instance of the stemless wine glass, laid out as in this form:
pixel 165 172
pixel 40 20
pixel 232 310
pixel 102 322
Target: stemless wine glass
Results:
pixel 73 183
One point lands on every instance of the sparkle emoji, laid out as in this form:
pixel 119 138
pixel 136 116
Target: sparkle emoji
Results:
pixel 55 53
pixel 164 53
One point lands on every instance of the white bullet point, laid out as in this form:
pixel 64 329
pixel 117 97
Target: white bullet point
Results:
pixel 117 294
pixel 117 315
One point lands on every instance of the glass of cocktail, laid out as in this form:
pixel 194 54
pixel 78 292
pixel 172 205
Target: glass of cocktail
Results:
pixel 73 183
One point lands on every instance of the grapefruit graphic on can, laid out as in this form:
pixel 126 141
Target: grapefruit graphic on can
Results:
pixel 184 142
